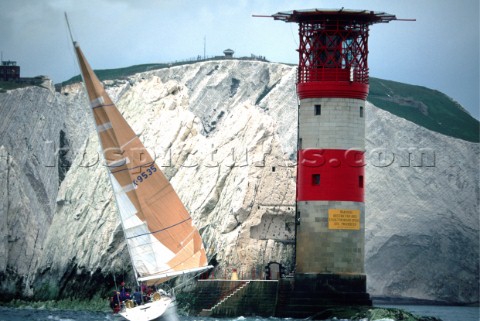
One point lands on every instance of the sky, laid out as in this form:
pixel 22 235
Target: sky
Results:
pixel 440 50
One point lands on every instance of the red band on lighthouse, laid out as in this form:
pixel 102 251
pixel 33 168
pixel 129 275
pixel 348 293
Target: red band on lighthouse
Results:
pixel 330 175
pixel 334 89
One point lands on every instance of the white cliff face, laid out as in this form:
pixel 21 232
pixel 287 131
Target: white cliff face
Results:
pixel 31 127
pixel 224 133
pixel 422 211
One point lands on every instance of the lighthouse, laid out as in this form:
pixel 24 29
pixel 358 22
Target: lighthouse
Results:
pixel 332 87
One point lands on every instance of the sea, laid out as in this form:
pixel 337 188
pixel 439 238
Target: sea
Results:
pixel 446 313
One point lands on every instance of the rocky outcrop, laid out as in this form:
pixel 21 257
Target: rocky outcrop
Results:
pixel 224 132
pixel 30 131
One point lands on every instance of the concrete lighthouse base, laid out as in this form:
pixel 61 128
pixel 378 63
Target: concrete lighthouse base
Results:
pixel 308 295
pixel 314 296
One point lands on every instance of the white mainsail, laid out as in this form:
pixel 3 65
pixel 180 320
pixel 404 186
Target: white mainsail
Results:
pixel 161 238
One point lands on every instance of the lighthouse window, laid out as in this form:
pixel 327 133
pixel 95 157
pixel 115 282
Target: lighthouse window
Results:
pixel 360 181
pixel 318 110
pixel 361 111
pixel 316 179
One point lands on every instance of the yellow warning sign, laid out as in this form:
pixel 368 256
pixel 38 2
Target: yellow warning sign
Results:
pixel 343 219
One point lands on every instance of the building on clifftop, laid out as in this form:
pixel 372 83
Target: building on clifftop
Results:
pixel 9 71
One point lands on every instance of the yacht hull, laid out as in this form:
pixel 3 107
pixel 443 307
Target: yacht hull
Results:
pixel 163 309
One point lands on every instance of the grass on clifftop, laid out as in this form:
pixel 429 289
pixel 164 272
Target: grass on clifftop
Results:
pixel 426 107
pixel 10 85
pixel 119 73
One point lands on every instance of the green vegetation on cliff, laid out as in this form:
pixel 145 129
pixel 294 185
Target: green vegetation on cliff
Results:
pixel 10 85
pixel 118 73
pixel 425 107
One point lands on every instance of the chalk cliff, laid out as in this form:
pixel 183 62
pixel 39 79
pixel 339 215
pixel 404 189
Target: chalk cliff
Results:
pixel 224 133
pixel 31 128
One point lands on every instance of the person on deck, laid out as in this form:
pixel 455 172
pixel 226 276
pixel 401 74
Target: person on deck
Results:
pixel 137 296
pixel 123 292
pixel 114 302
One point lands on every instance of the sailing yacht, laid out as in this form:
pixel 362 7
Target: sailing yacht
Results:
pixel 161 239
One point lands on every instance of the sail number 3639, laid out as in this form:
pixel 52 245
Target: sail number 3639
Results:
pixel 144 175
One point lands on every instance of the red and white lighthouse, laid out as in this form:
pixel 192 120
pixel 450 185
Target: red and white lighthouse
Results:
pixel 332 86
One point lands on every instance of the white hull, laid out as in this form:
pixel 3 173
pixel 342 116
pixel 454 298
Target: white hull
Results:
pixel 163 309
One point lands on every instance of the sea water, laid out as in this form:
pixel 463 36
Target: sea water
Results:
pixel 446 313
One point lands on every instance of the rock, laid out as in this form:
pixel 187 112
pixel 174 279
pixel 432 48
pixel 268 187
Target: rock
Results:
pixel 30 129
pixel 224 133
pixel 422 214
pixel 359 313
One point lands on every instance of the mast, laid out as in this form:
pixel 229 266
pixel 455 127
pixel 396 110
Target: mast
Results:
pixel 69 29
